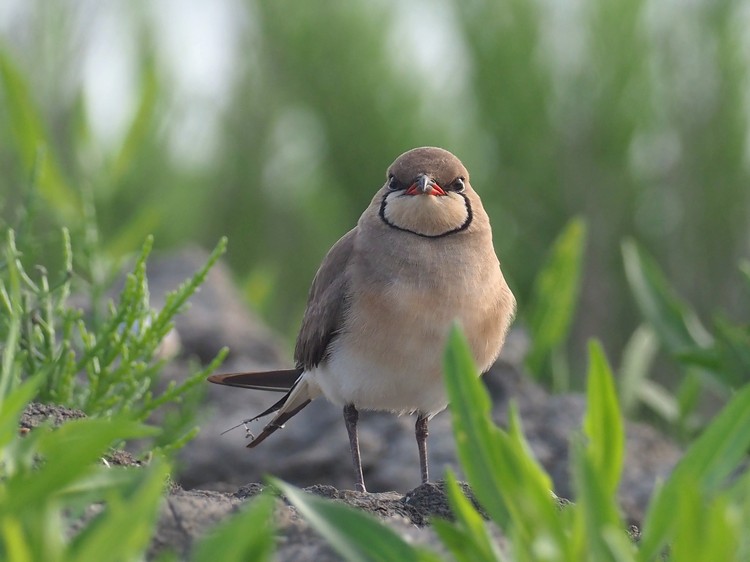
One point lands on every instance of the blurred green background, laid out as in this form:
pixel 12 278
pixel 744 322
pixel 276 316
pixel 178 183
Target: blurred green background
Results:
pixel 272 121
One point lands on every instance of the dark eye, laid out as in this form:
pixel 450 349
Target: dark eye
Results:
pixel 458 185
pixel 393 184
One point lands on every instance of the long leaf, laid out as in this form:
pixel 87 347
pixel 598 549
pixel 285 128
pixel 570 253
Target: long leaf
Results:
pixel 11 408
pixel 705 528
pixel 468 538
pixel 355 535
pixel 603 423
pixel 11 305
pixel 31 137
pixel 507 480
pixel 706 464
pixel 247 535
pixel 140 124
pixel 676 323
pixel 477 446
pixel 637 357
pixel 597 507
pixel 555 295
pixel 69 452
pixel 126 524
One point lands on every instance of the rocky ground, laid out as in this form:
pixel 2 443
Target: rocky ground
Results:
pixel 219 473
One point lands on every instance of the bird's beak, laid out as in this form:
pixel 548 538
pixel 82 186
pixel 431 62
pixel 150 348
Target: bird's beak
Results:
pixel 425 185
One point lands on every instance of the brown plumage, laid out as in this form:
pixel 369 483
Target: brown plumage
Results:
pixel 385 296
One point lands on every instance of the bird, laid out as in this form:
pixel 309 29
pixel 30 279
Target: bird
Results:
pixel 384 299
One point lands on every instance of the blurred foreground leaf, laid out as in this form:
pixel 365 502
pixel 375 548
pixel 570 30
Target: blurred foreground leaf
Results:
pixel 553 303
pixel 703 469
pixel 603 424
pixel 634 372
pixel 355 535
pixel 508 482
pixel 33 143
pixel 468 538
pixel 719 355
pixel 676 323
pixel 247 535
pixel 51 477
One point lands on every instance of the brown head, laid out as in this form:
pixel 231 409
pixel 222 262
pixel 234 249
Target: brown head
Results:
pixel 427 193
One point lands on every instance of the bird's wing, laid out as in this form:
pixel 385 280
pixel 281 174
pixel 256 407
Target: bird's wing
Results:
pixel 326 304
pixel 279 381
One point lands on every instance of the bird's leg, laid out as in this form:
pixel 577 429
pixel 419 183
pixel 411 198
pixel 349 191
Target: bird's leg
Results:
pixel 351 416
pixel 420 430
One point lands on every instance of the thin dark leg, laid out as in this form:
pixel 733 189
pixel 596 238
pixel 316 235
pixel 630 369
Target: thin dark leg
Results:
pixel 420 430
pixel 351 416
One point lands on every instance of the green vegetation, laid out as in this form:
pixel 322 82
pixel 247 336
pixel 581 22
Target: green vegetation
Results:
pixel 58 503
pixel 41 501
pixel 627 115
pixel 713 360
pixel 699 513
pixel 106 362
pixel 631 116
pixel 552 308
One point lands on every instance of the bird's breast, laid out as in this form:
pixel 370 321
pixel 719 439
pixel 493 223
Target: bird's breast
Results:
pixel 388 356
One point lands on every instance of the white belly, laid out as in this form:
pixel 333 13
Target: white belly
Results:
pixel 402 387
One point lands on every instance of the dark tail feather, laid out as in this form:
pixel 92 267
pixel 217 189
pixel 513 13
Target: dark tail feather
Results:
pixel 276 423
pixel 277 381
pixel 299 393
pixel 299 396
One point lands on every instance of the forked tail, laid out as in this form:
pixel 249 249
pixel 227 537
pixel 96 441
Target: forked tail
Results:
pixel 299 394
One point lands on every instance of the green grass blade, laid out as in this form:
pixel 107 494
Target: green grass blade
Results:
pixel 117 530
pixel 69 451
pixel 468 538
pixel 247 535
pixel 745 270
pixel 660 400
pixel 706 464
pixel 356 536
pixel 11 408
pixel 637 357
pixel 476 441
pixel 30 137
pixel 12 313
pixel 555 295
pixel 507 480
pixel 140 125
pixel 456 541
pixel 597 506
pixel 705 529
pixel 603 424
pixel 677 325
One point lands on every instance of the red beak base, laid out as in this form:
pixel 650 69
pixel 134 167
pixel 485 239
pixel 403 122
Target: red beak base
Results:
pixel 432 189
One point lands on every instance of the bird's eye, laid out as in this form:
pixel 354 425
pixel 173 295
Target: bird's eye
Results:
pixel 393 183
pixel 458 185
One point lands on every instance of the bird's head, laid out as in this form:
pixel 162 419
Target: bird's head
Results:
pixel 427 193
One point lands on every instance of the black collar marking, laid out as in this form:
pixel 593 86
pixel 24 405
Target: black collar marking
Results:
pixel 464 226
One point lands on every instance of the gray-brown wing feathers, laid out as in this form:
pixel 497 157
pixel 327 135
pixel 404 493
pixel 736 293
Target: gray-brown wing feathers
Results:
pixel 326 304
